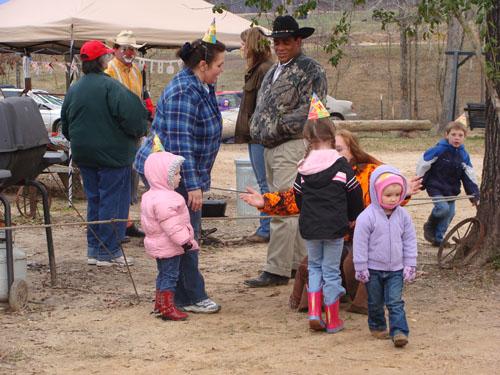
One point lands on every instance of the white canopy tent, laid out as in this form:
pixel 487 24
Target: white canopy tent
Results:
pixel 49 26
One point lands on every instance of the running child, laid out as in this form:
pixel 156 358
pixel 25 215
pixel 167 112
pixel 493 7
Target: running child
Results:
pixel 442 168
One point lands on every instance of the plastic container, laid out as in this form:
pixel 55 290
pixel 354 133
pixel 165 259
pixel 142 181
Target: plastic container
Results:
pixel 20 269
pixel 245 177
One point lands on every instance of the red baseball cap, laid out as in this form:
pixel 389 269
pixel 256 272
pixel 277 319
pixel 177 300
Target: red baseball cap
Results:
pixel 93 50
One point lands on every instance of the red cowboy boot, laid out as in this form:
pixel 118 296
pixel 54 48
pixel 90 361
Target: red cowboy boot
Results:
pixel 168 309
pixel 156 310
pixel 316 322
pixel 333 322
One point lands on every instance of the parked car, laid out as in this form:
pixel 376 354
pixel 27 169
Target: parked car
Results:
pixel 49 105
pixel 234 97
pixel 340 109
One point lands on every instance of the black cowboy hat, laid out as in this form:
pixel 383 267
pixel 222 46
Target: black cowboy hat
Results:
pixel 285 26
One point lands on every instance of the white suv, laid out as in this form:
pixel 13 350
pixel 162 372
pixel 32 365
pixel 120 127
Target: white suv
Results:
pixel 49 105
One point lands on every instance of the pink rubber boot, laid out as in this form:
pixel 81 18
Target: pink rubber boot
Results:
pixel 316 322
pixel 333 322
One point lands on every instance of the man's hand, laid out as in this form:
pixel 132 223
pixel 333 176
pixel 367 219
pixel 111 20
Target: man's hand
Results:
pixel 253 199
pixel 195 199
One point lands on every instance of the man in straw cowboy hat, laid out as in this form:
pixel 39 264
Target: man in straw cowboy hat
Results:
pixel 281 112
pixel 122 68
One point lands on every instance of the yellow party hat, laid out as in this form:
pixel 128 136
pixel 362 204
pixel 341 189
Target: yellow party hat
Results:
pixel 157 146
pixel 209 36
pixel 317 109
pixel 462 118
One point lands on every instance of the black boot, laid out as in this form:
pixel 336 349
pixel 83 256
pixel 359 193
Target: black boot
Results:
pixel 430 229
pixel 267 279
pixel 133 231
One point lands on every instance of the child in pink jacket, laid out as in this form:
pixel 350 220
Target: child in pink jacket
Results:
pixel 165 220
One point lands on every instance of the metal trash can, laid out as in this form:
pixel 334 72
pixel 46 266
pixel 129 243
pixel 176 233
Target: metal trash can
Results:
pixel 20 269
pixel 245 177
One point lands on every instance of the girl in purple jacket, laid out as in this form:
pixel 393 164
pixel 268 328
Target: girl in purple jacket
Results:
pixel 385 253
pixel 169 234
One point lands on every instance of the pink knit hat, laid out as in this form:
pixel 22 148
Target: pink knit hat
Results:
pixel 385 180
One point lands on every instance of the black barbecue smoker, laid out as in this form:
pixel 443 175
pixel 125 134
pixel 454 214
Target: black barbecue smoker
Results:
pixel 23 156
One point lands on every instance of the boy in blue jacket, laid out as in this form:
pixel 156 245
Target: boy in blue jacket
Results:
pixel 442 168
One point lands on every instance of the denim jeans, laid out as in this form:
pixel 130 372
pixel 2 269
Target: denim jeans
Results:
pixel 256 152
pixel 168 273
pixel 108 197
pixel 386 287
pixel 445 212
pixel 324 267
pixel 190 287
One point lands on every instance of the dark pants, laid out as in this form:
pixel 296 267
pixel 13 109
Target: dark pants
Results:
pixel 108 197
pixel 386 287
pixel 168 273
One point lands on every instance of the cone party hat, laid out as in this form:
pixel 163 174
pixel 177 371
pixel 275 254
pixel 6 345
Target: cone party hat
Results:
pixel 157 146
pixel 209 36
pixel 317 109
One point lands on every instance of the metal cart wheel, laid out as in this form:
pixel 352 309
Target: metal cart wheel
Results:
pixel 461 243
pixel 18 295
pixel 29 201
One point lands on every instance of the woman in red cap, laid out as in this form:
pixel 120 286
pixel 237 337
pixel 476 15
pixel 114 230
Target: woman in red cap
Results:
pixel 103 119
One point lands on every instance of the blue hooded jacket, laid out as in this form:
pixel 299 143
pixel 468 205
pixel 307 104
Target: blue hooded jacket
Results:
pixel 443 167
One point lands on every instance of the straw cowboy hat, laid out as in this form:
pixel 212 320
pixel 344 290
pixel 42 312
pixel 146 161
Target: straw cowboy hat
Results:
pixel 285 26
pixel 125 38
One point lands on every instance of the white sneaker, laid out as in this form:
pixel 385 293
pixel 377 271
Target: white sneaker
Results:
pixel 120 261
pixel 91 261
pixel 206 306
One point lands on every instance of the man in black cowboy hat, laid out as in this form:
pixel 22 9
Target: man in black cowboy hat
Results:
pixel 277 123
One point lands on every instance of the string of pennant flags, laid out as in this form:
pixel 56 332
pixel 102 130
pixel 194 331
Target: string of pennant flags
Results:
pixel 159 66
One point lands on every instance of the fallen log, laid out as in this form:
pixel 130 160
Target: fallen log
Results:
pixel 383 125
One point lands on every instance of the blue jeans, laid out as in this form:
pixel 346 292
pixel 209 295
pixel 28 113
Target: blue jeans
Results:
pixel 168 273
pixel 386 287
pixel 190 287
pixel 324 267
pixel 445 212
pixel 108 197
pixel 256 152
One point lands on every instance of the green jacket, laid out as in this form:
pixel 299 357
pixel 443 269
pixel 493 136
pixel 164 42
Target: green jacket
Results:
pixel 103 120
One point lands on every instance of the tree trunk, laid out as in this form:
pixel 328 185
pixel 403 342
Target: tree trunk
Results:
pixel 488 211
pixel 403 77
pixel 415 77
pixel 454 43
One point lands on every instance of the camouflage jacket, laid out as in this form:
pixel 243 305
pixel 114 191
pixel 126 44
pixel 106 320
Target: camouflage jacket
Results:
pixel 283 106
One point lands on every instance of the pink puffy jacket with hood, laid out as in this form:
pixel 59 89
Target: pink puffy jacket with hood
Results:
pixel 164 214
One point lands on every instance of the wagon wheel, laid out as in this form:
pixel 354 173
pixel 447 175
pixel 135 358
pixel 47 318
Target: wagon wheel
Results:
pixel 29 201
pixel 18 295
pixel 461 243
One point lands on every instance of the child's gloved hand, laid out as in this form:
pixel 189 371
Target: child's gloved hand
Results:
pixel 187 246
pixel 363 276
pixel 409 274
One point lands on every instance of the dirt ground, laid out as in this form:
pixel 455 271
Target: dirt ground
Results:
pixel 91 322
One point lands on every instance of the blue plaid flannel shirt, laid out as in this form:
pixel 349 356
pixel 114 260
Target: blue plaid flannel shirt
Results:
pixel 188 122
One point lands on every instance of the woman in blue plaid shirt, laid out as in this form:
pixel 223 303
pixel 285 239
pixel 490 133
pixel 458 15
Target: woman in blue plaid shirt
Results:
pixel 188 123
